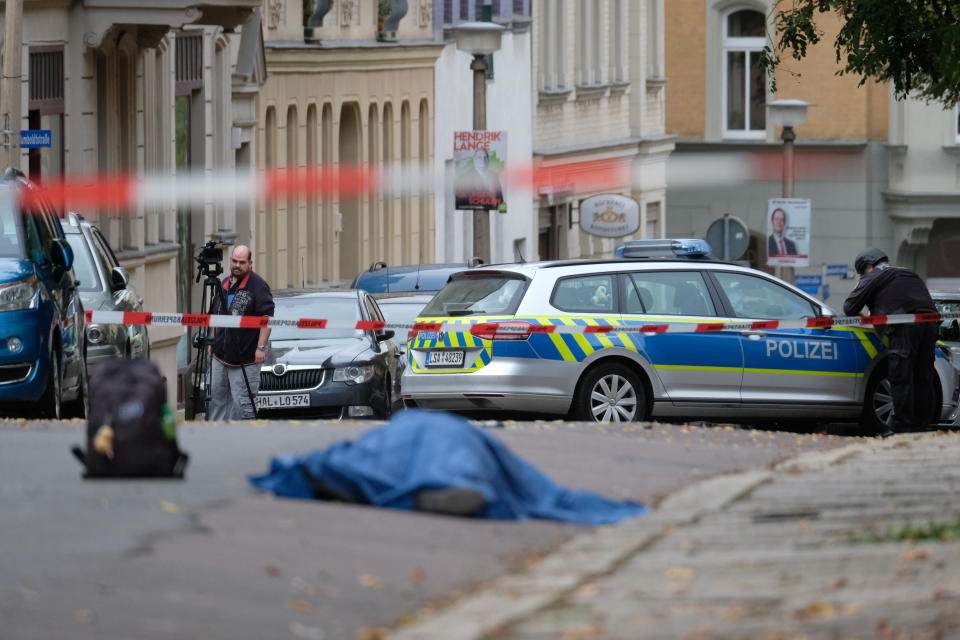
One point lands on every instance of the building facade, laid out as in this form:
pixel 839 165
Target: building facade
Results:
pixel 598 94
pixel 923 196
pixel 139 89
pixel 351 86
pixel 728 157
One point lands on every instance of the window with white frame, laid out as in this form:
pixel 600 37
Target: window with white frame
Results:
pixel 744 82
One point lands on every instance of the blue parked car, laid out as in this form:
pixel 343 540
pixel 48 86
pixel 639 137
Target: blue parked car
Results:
pixel 42 325
pixel 380 278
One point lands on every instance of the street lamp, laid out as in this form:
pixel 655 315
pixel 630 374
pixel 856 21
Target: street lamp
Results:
pixel 787 114
pixel 480 39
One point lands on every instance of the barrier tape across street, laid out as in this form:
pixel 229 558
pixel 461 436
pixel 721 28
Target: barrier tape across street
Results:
pixel 503 329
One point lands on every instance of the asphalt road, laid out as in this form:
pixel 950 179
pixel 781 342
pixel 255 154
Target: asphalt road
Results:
pixel 210 558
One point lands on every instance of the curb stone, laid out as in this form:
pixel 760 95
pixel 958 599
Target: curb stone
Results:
pixel 511 598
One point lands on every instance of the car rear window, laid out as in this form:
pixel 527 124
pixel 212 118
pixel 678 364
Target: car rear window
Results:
pixel 334 310
pixel 492 295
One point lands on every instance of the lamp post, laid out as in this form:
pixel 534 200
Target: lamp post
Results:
pixel 480 39
pixel 787 114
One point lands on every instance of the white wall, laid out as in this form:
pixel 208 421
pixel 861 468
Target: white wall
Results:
pixel 509 108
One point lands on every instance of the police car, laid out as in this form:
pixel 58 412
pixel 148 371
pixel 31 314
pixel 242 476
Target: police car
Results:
pixel 473 364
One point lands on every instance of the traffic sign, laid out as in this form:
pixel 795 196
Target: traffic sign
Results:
pixel 36 138
pixel 808 283
pixel 838 270
pixel 728 237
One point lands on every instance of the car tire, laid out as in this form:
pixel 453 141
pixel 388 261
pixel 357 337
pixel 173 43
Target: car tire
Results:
pixel 877 404
pixel 51 401
pixel 610 393
pixel 387 408
pixel 79 407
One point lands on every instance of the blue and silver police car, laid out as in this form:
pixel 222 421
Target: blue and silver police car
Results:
pixel 819 374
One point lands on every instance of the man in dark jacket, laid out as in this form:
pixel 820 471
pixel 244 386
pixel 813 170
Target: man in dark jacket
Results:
pixel 889 290
pixel 238 353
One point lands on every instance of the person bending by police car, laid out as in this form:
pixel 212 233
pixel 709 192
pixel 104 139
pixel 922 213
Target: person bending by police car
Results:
pixel 889 290
pixel 238 353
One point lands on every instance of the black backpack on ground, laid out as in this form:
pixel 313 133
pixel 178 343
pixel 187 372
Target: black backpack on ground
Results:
pixel 131 431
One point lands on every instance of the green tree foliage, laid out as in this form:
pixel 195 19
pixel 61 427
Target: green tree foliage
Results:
pixel 915 44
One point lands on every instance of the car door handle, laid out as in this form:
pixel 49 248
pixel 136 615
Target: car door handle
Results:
pixel 755 335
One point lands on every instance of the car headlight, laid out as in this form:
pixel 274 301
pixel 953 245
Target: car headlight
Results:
pixel 94 334
pixel 354 374
pixel 19 295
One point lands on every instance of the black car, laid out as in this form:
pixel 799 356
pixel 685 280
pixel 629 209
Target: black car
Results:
pixel 329 373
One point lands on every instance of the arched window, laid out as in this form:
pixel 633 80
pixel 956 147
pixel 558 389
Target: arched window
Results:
pixel 744 82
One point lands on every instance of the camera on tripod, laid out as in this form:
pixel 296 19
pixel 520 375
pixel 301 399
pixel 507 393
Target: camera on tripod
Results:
pixel 210 259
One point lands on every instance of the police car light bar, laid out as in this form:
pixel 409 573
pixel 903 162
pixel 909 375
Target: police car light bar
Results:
pixel 664 248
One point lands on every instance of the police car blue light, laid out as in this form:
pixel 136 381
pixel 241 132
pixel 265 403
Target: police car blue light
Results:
pixel 664 248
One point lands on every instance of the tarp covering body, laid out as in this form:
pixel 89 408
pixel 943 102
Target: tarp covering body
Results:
pixel 422 450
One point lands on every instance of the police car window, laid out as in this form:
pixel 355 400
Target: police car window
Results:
pixel 667 293
pixel 753 297
pixel 589 294
pixel 477 296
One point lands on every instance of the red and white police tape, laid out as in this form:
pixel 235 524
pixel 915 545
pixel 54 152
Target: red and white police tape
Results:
pixel 509 330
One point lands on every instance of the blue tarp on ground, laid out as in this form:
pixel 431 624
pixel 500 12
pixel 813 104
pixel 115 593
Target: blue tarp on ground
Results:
pixel 419 450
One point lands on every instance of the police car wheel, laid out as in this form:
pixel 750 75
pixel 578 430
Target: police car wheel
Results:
pixel 877 404
pixel 610 393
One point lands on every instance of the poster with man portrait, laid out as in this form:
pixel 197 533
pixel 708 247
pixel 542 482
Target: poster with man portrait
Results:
pixel 478 161
pixel 788 232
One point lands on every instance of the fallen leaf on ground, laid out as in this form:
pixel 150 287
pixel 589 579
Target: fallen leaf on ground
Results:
pixel 681 573
pixel 169 507
pixel 418 576
pixel 839 583
pixel 369 581
pixel 915 554
pixel 300 606
pixel 818 609
pixel 372 633
pixel 272 571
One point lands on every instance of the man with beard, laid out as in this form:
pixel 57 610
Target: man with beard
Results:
pixel 238 353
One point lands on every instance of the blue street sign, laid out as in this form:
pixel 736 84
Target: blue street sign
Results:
pixel 839 270
pixel 826 292
pixel 809 284
pixel 36 138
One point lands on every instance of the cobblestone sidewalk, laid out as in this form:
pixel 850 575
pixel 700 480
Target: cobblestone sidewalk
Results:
pixel 831 545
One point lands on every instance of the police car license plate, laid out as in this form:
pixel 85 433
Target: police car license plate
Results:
pixel 283 401
pixel 445 358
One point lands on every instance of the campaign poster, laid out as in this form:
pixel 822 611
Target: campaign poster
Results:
pixel 478 161
pixel 788 232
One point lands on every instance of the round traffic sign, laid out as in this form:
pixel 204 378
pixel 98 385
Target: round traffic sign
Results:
pixel 728 237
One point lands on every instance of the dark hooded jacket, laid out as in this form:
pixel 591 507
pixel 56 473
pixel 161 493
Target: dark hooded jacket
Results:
pixel 889 290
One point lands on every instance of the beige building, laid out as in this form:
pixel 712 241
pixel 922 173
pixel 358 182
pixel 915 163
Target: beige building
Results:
pixel 354 89
pixel 143 88
pixel 599 102
pixel 729 157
